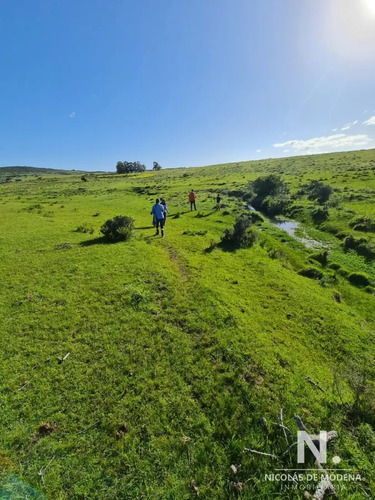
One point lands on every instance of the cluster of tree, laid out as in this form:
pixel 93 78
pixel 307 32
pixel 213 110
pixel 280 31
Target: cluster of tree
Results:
pixel 129 167
pixel 316 190
pixel 269 194
pixel 156 166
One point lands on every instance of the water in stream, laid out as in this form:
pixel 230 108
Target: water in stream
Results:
pixel 294 229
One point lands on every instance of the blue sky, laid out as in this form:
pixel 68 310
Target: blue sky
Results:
pixel 86 83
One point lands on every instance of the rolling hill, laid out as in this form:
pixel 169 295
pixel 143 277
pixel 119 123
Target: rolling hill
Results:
pixel 148 368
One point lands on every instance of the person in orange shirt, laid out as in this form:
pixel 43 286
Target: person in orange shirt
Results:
pixel 192 200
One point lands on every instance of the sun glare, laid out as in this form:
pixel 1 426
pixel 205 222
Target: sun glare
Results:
pixel 350 30
pixel 370 6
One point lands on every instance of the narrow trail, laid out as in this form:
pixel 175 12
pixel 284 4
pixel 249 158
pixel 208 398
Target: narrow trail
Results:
pixel 176 259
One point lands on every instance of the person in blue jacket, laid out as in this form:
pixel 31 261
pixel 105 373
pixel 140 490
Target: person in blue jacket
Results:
pixel 166 211
pixel 158 212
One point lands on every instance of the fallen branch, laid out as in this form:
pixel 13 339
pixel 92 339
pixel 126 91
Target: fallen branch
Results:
pixel 64 358
pixel 284 429
pixel 325 484
pixel 24 385
pixel 299 423
pixel 247 450
pixel 330 435
pixel 43 469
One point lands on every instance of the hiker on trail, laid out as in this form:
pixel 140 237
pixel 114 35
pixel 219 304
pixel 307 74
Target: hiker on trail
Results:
pixel 166 211
pixel 218 200
pixel 192 200
pixel 158 212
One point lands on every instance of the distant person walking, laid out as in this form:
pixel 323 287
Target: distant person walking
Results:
pixel 218 200
pixel 192 200
pixel 158 212
pixel 166 211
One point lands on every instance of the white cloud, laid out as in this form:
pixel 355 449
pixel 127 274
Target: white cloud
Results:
pixel 72 115
pixel 370 121
pixel 347 126
pixel 326 144
pixel 259 150
pixel 334 130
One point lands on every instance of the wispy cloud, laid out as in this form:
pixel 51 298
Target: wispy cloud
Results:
pixel 370 121
pixel 334 130
pixel 72 115
pixel 348 125
pixel 259 150
pixel 326 144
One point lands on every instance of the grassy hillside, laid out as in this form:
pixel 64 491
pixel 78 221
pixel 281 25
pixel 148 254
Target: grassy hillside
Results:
pixel 22 171
pixel 179 348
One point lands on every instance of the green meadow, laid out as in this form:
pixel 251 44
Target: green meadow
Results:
pixel 142 369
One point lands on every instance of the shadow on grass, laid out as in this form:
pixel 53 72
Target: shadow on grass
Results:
pixel 178 214
pixel 144 227
pixel 200 215
pixel 101 240
pixel 224 247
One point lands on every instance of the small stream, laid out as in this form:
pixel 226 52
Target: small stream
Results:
pixel 294 229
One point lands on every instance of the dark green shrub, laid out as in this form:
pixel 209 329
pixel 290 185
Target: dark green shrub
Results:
pixel 316 190
pixel 360 245
pixel 341 236
pixel 343 272
pixel 359 279
pixel 334 266
pixel 211 246
pixel 370 289
pixel 321 257
pixel 248 196
pixel 237 193
pixel 118 228
pixel 265 186
pixel 256 217
pixel 276 204
pixel 328 280
pixel 271 194
pixel 319 215
pixel 364 224
pixel 311 272
pixel 242 234
pixel 296 211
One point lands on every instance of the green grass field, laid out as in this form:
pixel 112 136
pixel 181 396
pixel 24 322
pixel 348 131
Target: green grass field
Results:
pixel 177 348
